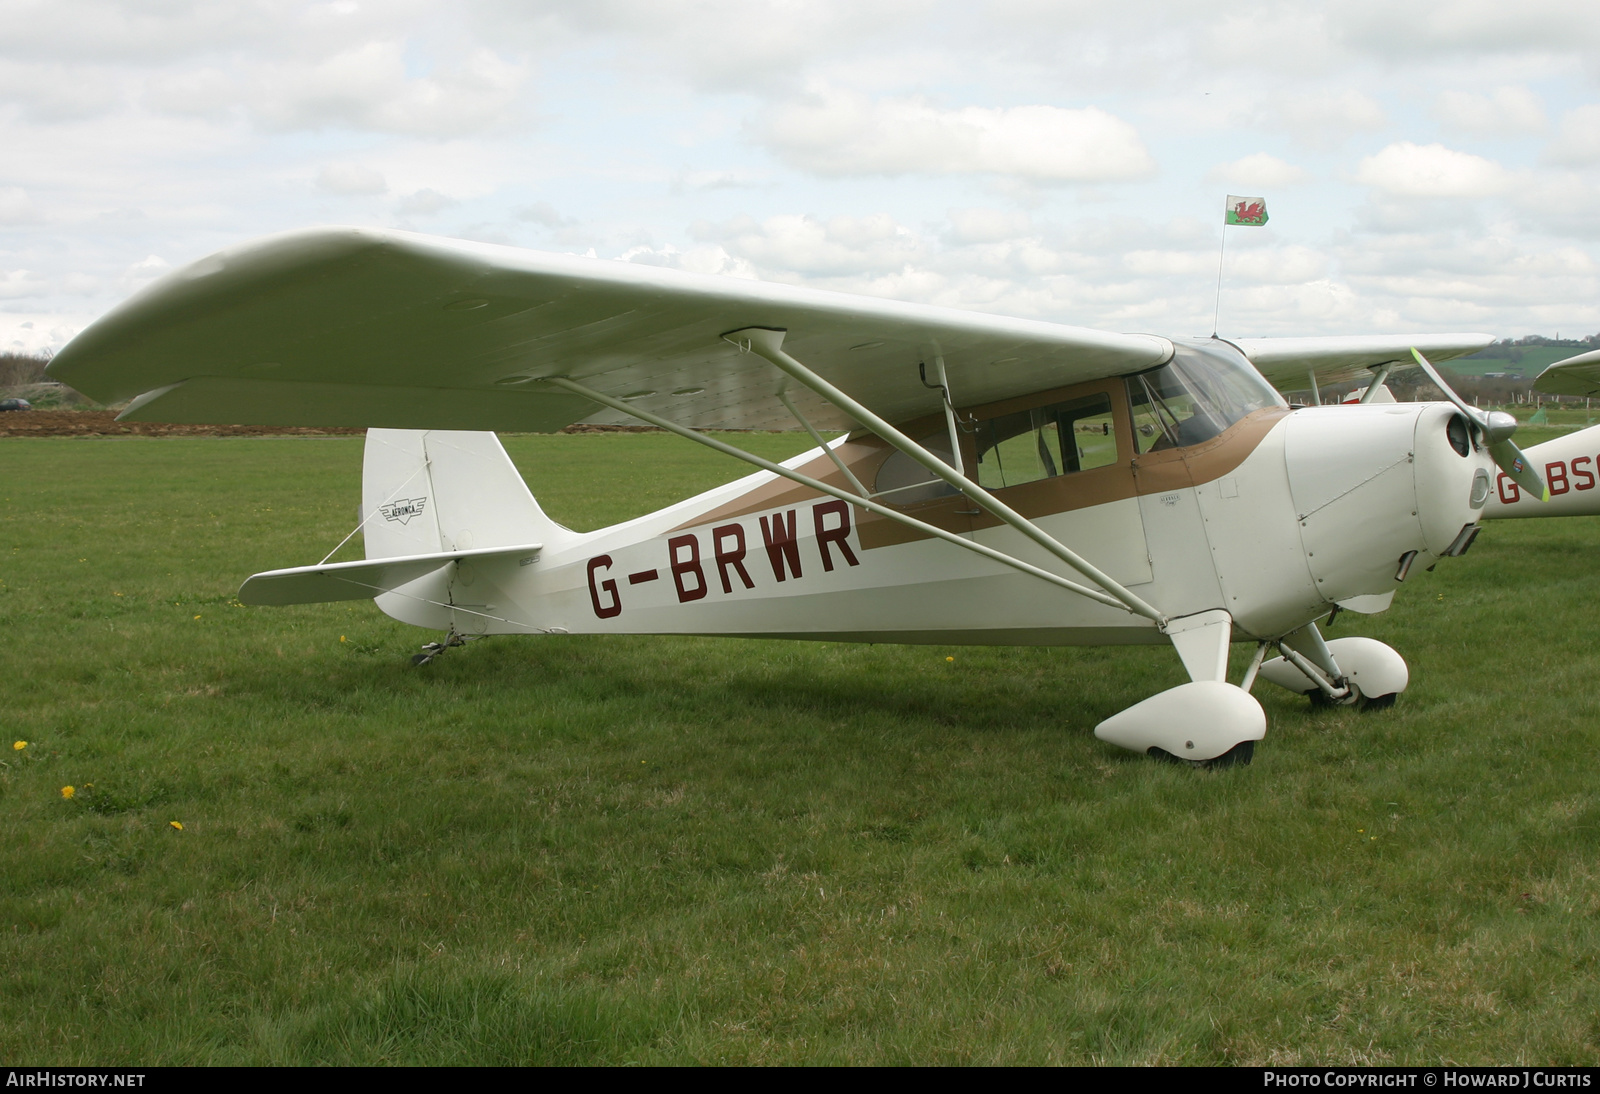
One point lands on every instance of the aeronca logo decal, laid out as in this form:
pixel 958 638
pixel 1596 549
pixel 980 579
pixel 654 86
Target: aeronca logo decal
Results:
pixel 403 511
pixel 721 562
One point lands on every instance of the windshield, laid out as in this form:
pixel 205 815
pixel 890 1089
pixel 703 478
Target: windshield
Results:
pixel 1205 388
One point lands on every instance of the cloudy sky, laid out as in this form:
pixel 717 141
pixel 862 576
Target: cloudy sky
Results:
pixel 1429 164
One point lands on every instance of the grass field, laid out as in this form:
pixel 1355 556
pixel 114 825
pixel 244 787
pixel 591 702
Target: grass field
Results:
pixel 693 850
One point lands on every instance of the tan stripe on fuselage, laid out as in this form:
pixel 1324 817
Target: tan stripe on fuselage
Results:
pixel 1151 473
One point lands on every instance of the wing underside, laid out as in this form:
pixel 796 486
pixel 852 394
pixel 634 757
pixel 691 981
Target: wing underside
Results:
pixel 1288 363
pixel 1578 376
pixel 339 326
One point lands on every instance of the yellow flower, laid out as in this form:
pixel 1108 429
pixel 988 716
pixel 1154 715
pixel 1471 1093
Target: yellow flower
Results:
pixel 20 745
pixel 197 617
pixel 68 791
pixel 341 638
pixel 176 824
pixel 949 658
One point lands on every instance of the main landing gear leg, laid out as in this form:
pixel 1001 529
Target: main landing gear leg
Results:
pixel 1359 672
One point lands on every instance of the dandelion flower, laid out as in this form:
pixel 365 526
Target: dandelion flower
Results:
pixel 19 745
pixel 176 824
pixel 68 791
pixel 341 638
pixel 949 658
pixel 197 617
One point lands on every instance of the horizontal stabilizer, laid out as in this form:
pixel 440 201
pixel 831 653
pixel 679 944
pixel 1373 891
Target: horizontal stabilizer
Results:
pixel 361 580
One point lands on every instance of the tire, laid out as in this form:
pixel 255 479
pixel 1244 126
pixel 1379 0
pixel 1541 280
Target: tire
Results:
pixel 1319 700
pixel 1363 703
pixel 1239 755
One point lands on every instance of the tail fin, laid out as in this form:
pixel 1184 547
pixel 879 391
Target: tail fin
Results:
pixel 430 490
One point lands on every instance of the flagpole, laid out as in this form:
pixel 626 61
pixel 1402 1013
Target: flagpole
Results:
pixel 1217 311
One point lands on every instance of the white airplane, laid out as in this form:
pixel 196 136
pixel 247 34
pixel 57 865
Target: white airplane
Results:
pixel 1002 481
pixel 1569 466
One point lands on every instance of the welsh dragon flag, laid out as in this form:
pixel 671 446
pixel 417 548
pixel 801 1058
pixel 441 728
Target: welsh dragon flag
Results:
pixel 1248 211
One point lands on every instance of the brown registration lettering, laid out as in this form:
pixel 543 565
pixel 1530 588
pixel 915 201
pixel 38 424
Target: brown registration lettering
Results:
pixel 1555 477
pixel 839 536
pixel 1507 488
pixel 687 565
pixel 1586 481
pixel 609 587
pixel 782 546
pixel 730 555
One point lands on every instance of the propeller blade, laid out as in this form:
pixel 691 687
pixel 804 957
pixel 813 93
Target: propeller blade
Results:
pixel 1497 429
pixel 1473 413
pixel 1510 459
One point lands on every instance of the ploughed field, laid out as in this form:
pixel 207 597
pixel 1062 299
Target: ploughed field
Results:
pixel 696 850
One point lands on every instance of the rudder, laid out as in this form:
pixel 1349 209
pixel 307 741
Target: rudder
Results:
pixel 428 490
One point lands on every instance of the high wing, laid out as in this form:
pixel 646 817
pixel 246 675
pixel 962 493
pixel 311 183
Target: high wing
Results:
pixel 360 327
pixel 1288 362
pixel 1578 375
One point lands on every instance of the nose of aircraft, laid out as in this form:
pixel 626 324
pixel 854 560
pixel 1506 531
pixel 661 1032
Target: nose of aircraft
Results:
pixel 1374 483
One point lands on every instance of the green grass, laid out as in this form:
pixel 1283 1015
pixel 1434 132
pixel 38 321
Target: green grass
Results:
pixel 578 850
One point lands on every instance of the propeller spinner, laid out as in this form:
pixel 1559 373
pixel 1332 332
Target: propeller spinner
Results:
pixel 1497 428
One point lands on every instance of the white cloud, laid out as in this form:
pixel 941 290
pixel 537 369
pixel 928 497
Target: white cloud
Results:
pixel 57 92
pixel 1507 112
pixel 368 87
pixel 350 178
pixel 1323 117
pixel 424 203
pixel 1258 170
pixel 1431 171
pixel 1420 28
pixel 16 284
pixel 1578 140
pixel 15 206
pixel 988 225
pixel 793 244
pixel 841 133
pixel 542 212
pixel 202 93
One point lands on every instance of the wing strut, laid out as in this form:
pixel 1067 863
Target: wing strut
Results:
pixel 824 445
pixel 769 344
pixel 1379 375
pixel 833 491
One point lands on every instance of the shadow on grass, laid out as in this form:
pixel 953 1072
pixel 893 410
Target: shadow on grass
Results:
pixel 992 690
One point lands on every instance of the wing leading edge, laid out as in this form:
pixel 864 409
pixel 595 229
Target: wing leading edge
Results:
pixel 359 327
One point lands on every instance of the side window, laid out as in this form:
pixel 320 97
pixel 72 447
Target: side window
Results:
pixel 903 481
pixel 1045 442
pixel 1153 422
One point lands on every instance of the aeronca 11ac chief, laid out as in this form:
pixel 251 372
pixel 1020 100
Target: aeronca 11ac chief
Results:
pixel 999 481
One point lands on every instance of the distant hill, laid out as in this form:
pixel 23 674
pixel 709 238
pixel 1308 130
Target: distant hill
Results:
pixel 1521 357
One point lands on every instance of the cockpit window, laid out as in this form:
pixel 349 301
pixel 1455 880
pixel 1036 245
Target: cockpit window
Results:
pixel 1045 441
pixel 1203 390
